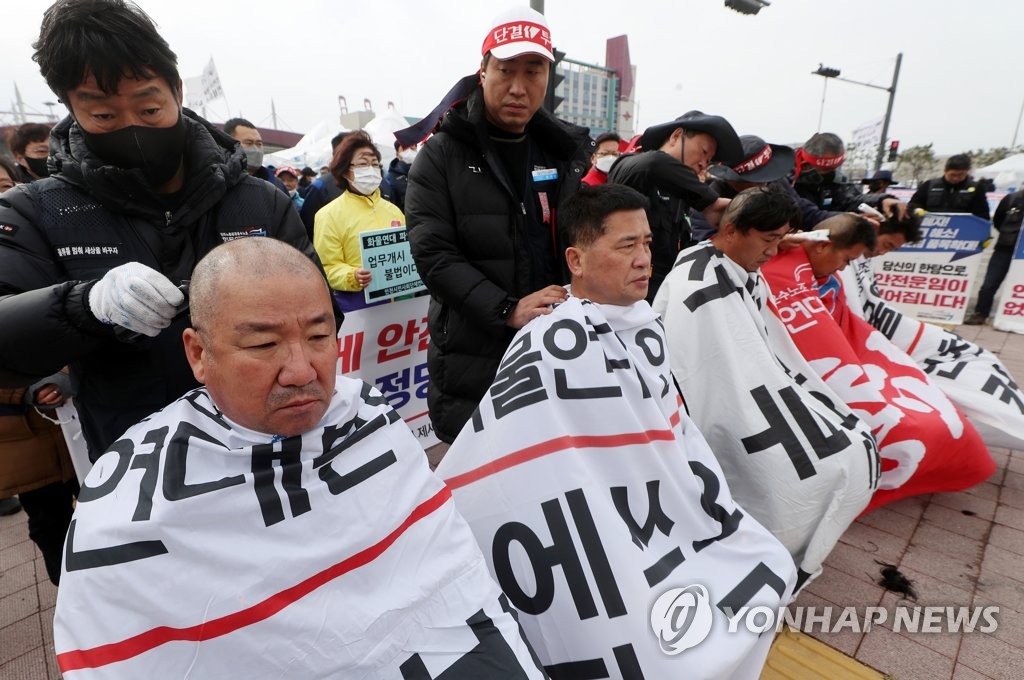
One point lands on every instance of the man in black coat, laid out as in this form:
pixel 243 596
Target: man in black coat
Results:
pixel 954 192
pixel 482 201
pixel 670 173
pixel 93 259
pixel 1007 221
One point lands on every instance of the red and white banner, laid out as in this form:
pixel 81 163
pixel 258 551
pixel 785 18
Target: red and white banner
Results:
pixel 386 346
pixel 971 376
pixel 603 513
pixel 203 549
pixel 925 443
pixel 795 455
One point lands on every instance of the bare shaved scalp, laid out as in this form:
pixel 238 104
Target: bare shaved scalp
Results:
pixel 846 230
pixel 252 258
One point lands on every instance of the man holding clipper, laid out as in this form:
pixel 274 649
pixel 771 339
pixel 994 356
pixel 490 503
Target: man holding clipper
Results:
pixel 91 258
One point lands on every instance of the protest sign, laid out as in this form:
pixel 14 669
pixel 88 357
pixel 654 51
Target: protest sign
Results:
pixel 386 254
pixel 1010 310
pixel 386 346
pixel 931 280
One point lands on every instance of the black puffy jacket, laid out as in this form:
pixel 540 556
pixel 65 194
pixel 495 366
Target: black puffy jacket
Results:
pixel 1007 221
pixel 468 234
pixel 59 235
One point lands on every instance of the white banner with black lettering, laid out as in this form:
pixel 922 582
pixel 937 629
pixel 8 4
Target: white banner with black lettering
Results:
pixel 202 549
pixel 602 511
pixel 795 455
pixel 972 377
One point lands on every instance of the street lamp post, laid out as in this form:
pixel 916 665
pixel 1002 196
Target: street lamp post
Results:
pixel 827 72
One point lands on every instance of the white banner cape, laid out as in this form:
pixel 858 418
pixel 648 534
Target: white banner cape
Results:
pixel 972 377
pixel 795 455
pixel 202 549
pixel 603 512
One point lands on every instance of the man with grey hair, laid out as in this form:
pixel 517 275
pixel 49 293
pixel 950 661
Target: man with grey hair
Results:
pixel 295 531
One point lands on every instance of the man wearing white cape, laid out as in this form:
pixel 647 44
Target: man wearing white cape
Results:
pixel 971 376
pixel 280 522
pixel 601 509
pixel 795 455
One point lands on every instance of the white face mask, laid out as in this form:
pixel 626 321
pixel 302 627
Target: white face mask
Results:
pixel 604 163
pixel 407 155
pixel 365 180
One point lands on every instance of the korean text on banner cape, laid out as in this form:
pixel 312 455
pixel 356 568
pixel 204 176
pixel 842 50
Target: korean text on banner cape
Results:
pixel 972 377
pixel 202 549
pixel 602 511
pixel 925 442
pixel 795 456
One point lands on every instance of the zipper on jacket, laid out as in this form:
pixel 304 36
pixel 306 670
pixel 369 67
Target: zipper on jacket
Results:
pixel 167 218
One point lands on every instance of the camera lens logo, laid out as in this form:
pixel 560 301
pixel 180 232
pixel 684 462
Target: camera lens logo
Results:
pixel 681 618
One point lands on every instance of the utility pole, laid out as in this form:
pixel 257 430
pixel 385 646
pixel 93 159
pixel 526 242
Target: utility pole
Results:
pixel 888 113
pixel 19 111
pixel 827 72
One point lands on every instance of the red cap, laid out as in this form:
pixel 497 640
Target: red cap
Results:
pixel 517 31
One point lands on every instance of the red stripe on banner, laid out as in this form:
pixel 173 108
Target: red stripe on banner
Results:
pixel 144 642
pixel 920 332
pixel 561 444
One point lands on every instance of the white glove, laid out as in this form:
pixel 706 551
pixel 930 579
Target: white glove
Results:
pixel 137 297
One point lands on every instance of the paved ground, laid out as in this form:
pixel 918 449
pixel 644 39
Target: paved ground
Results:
pixel 958 549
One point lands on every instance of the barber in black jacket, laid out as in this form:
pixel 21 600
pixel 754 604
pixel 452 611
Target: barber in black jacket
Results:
pixel 92 258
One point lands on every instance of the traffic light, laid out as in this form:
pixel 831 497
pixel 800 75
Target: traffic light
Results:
pixel 555 78
pixel 746 6
pixel 894 147
pixel 826 71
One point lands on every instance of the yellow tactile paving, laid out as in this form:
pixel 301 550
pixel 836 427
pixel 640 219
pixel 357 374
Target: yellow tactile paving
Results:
pixel 796 656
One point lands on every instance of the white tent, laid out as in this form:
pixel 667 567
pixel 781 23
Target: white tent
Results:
pixel 313 150
pixel 382 131
pixel 1008 173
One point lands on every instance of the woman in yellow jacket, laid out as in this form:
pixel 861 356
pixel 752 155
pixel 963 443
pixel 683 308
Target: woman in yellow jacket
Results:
pixel 360 208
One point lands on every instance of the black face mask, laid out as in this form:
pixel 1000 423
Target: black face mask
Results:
pixel 37 166
pixel 811 178
pixel 155 151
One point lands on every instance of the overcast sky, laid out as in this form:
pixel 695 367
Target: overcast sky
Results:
pixel 958 86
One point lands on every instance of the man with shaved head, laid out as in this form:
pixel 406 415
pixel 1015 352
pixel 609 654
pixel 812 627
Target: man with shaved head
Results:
pixel 280 521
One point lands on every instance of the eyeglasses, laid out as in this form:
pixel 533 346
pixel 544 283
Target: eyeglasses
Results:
pixel 364 164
